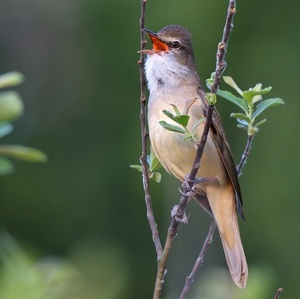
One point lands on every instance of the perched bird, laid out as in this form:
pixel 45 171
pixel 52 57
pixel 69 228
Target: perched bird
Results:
pixel 172 79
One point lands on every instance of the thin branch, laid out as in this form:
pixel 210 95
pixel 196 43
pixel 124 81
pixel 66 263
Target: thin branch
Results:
pixel 246 154
pixel 278 293
pixel 199 262
pixel 190 181
pixel 143 117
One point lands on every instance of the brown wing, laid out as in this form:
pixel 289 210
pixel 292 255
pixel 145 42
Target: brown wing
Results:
pixel 219 136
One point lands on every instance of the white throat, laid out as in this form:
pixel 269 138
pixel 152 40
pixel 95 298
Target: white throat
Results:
pixel 164 73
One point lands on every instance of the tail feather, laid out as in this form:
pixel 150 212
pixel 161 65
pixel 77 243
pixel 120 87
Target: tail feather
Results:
pixel 235 258
pixel 222 203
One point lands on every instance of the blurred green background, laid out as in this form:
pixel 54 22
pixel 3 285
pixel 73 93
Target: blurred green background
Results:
pixel 76 226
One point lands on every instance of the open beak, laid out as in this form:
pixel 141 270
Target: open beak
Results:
pixel 158 44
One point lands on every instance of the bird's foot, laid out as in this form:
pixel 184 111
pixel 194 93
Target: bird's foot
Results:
pixel 179 217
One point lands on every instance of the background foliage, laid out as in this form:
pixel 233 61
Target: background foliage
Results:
pixel 85 206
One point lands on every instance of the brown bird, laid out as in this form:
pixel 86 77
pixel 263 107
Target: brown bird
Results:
pixel 172 79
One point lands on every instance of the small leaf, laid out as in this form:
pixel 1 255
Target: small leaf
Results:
pixel 5 129
pixel 198 123
pixel 11 105
pixel 172 128
pixel 156 176
pixel 11 79
pixel 6 166
pixel 24 153
pixel 260 123
pixel 152 161
pixel 176 109
pixel 249 94
pixel 233 99
pixel 169 114
pixel 180 119
pixel 183 120
pixel 241 116
pixel 241 126
pixel 137 167
pixel 228 80
pixel 266 104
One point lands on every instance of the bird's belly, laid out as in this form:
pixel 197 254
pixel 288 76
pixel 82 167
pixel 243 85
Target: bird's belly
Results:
pixel 177 154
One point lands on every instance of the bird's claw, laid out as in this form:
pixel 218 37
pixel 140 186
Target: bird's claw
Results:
pixel 182 218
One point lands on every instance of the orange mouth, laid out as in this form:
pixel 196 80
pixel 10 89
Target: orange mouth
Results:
pixel 158 44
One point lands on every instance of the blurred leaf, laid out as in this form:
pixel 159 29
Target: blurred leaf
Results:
pixel 23 276
pixel 181 119
pixel 172 128
pixel 260 123
pixel 233 99
pixel 198 123
pixel 228 80
pixel 24 153
pixel 11 79
pixel 266 104
pixel 11 105
pixel 6 166
pixel 249 94
pixel 176 109
pixel 137 167
pixel 241 116
pixel 156 176
pixel 153 161
pixel 5 129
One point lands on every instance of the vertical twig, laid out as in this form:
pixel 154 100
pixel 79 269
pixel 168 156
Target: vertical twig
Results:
pixel 278 293
pixel 245 155
pixel 178 214
pixel 199 262
pixel 143 117
pixel 220 67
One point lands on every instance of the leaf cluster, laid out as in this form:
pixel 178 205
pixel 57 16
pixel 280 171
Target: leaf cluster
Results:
pixel 250 102
pixel 12 107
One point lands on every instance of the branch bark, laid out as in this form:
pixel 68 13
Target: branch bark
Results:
pixel 278 293
pixel 190 181
pixel 143 121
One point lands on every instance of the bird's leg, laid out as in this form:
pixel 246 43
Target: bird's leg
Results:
pixel 206 180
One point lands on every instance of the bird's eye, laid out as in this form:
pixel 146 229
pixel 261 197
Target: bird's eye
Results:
pixel 175 44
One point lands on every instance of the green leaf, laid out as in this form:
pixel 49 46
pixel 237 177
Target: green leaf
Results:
pixel 228 80
pixel 180 119
pixel 6 166
pixel 153 161
pixel 137 167
pixel 11 105
pixel 156 176
pixel 260 123
pixel 5 129
pixel 242 126
pixel 249 94
pixel 11 79
pixel 24 153
pixel 241 116
pixel 176 109
pixel 171 128
pixel 233 99
pixel 266 104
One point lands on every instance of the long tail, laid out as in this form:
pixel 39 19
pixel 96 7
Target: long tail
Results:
pixel 235 257
pixel 222 204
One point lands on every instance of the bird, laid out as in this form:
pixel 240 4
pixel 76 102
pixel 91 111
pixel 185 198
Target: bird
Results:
pixel 172 79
